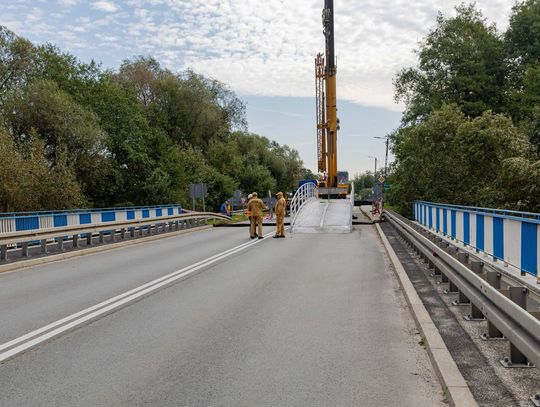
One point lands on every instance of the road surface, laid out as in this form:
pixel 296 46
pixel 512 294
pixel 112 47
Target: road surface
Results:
pixel 310 320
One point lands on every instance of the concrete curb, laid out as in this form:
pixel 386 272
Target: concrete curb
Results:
pixel 24 264
pixel 454 385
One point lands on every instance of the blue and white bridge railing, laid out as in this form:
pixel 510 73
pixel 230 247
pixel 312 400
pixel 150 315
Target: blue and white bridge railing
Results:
pixel 509 236
pixel 22 221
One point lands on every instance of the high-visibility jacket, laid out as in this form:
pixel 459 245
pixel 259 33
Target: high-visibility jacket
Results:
pixel 280 205
pixel 256 207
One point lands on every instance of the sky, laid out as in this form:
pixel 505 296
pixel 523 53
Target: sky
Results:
pixel 264 50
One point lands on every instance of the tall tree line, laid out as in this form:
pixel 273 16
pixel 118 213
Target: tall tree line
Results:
pixel 470 132
pixel 73 134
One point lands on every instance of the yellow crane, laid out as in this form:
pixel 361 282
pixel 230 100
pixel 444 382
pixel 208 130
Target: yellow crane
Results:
pixel 333 182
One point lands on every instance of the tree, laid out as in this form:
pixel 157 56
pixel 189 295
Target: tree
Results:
pixel 461 61
pixel 452 158
pixel 28 182
pixel 61 123
pixel 138 135
pixel 523 35
pixel 16 55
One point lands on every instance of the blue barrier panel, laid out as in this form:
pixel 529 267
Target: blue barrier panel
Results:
pixel 445 221
pixel 480 232
pixel 159 212
pixel 453 224
pixel 146 213
pixel 170 211
pixel 27 223
pixel 85 218
pixel 529 247
pixel 498 238
pixel 59 221
pixel 509 236
pixel 467 228
pixel 179 210
pixel 108 216
pixel 130 215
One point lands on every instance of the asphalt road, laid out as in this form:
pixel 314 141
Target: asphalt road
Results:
pixel 310 320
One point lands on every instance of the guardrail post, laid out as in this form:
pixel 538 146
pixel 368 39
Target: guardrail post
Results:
pixel 61 243
pixel 75 241
pixel 43 246
pixel 89 239
pixel 24 249
pixel 131 232
pixel 517 359
pixel 494 279
pixel 477 267
pixel 101 237
pixel 452 288
pixel 140 230
pixel 3 252
pixel 463 257
pixel 436 272
pixel 113 235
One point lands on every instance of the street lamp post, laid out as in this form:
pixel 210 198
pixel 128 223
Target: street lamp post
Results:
pixel 387 138
pixel 375 172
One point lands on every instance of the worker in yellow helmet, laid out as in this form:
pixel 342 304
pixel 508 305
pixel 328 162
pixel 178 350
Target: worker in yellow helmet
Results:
pixel 256 207
pixel 280 215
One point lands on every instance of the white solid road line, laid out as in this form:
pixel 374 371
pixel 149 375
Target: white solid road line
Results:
pixel 47 332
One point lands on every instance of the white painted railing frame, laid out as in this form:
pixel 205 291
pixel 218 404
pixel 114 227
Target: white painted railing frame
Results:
pixel 303 194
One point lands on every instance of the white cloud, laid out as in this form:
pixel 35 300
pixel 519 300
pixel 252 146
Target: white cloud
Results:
pixel 68 3
pixel 268 47
pixel 107 6
pixel 259 47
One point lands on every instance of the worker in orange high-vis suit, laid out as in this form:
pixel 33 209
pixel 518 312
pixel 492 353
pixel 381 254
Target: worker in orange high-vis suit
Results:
pixel 248 211
pixel 280 215
pixel 256 208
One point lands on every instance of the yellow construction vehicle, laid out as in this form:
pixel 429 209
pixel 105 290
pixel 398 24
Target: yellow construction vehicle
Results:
pixel 327 120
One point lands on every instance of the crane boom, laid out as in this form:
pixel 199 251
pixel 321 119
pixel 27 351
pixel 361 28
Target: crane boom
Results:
pixel 327 121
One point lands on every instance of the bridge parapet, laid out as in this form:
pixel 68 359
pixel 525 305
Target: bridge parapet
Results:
pixel 509 236
pixel 41 220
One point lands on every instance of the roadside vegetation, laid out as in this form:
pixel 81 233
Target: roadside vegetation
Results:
pixel 470 132
pixel 74 134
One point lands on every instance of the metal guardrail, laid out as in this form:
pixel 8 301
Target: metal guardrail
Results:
pixel 508 236
pixel 41 236
pixel 505 309
pixel 305 193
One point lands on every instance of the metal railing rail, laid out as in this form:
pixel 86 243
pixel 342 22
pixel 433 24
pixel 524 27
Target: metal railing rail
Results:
pixel 41 236
pixel 303 194
pixel 490 211
pixel 505 309
pixel 502 235
pixel 85 210
pixel 352 194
